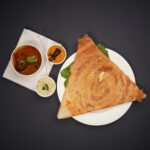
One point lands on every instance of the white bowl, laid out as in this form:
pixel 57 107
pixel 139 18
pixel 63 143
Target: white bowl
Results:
pixel 12 65
pixel 46 80
pixel 59 62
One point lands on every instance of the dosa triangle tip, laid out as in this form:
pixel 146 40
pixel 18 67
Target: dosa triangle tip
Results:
pixel 63 113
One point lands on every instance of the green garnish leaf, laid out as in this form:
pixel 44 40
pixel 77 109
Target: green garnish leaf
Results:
pixel 31 59
pixel 65 73
pixel 65 82
pixel 103 49
pixel 22 62
pixel 45 87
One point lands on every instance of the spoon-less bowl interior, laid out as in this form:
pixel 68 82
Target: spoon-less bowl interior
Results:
pixel 26 60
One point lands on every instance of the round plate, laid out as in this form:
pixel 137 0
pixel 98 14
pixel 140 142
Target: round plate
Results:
pixel 103 116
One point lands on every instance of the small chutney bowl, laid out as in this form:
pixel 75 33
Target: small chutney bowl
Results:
pixel 45 86
pixel 56 54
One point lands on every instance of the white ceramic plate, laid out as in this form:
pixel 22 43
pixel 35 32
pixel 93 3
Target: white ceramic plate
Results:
pixel 104 116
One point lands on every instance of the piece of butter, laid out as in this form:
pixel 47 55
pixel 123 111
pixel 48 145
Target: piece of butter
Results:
pixel 101 76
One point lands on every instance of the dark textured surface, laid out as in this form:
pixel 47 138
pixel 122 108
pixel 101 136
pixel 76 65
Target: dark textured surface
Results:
pixel 28 122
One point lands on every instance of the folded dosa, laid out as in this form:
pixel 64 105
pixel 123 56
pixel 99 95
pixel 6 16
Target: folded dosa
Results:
pixel 95 83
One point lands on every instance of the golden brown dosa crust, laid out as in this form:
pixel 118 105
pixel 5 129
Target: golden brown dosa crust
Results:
pixel 84 91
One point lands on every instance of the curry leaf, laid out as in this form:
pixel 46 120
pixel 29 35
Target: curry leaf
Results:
pixel 45 87
pixel 22 62
pixel 31 59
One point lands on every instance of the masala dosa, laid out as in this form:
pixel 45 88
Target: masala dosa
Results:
pixel 95 83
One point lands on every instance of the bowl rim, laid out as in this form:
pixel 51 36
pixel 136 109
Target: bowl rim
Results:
pixel 35 87
pixel 11 60
pixel 54 62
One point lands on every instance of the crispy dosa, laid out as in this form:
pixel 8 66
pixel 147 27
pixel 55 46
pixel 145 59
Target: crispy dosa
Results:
pixel 95 83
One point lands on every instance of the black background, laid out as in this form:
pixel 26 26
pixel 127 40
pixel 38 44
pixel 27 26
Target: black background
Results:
pixel 27 121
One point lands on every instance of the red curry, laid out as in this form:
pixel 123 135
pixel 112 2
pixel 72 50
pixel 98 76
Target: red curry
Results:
pixel 27 60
